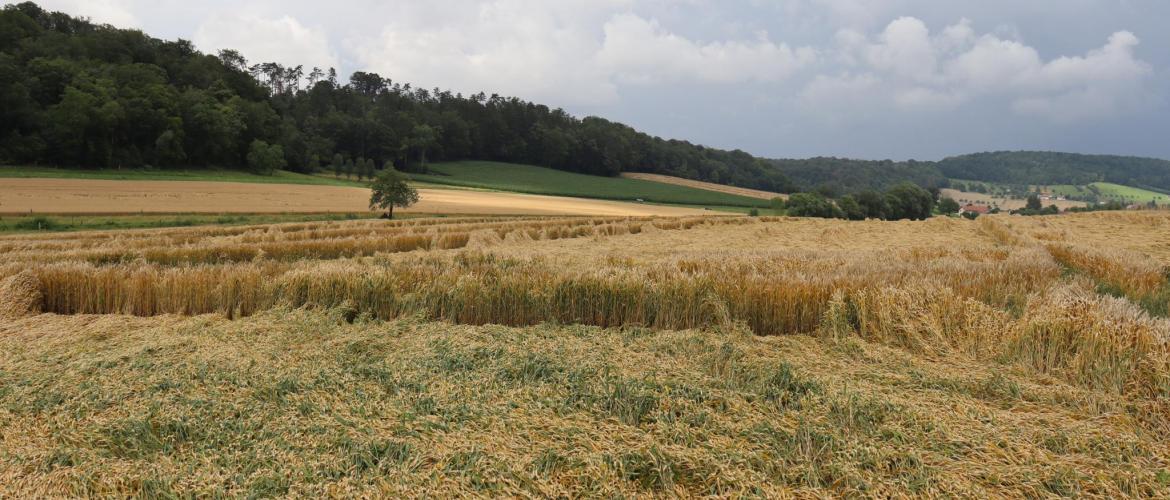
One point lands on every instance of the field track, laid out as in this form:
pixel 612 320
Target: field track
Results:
pixel 709 186
pixel 81 196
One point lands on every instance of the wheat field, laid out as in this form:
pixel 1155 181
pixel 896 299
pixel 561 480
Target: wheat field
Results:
pixel 603 356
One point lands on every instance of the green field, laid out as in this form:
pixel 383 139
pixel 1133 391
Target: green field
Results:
pixel 208 174
pixel 35 223
pixel 546 181
pixel 1105 191
pixel 1116 192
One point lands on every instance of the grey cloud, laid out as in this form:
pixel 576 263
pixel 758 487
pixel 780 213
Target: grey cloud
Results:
pixel 868 78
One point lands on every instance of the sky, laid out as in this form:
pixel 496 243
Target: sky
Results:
pixel 874 79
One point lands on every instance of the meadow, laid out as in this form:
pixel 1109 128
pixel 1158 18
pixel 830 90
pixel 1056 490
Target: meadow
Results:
pixel 163 174
pixel 596 356
pixel 1115 192
pixel 539 180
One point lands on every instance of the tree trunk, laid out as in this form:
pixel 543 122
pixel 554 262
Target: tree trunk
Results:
pixel 390 212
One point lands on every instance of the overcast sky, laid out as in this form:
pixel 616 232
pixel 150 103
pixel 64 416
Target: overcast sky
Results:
pixel 872 79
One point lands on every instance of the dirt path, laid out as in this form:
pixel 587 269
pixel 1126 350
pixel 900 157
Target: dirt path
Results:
pixel 721 188
pixel 110 196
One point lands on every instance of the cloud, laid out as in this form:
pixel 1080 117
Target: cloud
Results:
pixel 283 40
pixel 643 52
pixel 875 78
pixel 116 12
pixel 572 52
pixel 909 68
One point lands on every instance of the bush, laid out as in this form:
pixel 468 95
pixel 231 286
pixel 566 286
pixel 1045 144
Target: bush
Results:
pixel 948 206
pixel 38 223
pixel 813 205
pixel 264 158
pixel 849 206
pixel 908 201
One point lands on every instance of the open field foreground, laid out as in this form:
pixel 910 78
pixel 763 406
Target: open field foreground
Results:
pixel 606 356
pixel 710 186
pixel 79 196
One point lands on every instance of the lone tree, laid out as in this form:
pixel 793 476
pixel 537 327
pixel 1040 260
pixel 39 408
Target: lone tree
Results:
pixel 390 190
pixel 1033 202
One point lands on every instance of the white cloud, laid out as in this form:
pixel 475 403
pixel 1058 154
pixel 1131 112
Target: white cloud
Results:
pixel 116 12
pixel 912 69
pixel 572 52
pixel 539 50
pixel 283 40
pixel 640 51
pixel 904 49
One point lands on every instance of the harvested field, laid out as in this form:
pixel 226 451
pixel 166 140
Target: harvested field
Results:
pixel 600 356
pixel 709 186
pixel 964 198
pixel 81 196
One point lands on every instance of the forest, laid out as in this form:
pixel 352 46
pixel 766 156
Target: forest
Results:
pixel 78 94
pixel 83 95
pixel 1044 168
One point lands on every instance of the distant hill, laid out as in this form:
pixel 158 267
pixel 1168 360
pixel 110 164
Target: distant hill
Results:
pixel 842 175
pixel 1047 168
pixel 78 94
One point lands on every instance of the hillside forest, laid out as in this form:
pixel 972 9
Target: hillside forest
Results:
pixel 83 95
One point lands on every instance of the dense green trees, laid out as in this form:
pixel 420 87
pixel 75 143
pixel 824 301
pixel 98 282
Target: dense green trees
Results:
pixel 264 158
pixel 836 176
pixel 873 204
pixel 908 201
pixel 813 205
pixel 948 206
pixel 1033 202
pixel 73 93
pixel 1046 168
pixel 904 201
pixel 850 209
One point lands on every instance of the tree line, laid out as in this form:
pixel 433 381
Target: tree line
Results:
pixel 903 201
pixel 1029 168
pixel 78 94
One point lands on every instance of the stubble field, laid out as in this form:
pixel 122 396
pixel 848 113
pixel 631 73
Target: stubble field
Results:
pixel 551 356
pixel 100 196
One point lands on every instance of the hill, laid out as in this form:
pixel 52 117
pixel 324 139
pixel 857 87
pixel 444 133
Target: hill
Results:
pixel 1048 168
pixel 539 180
pixel 78 94
pixel 838 176
pixel 1105 191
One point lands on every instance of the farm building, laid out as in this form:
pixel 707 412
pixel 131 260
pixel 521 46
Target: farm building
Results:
pixel 973 208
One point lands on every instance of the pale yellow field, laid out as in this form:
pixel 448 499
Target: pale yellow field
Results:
pixel 80 196
pixel 722 188
pixel 1007 357
pixel 964 197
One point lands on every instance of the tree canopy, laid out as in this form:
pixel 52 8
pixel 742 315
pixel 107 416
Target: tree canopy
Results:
pixel 390 190
pixel 78 94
